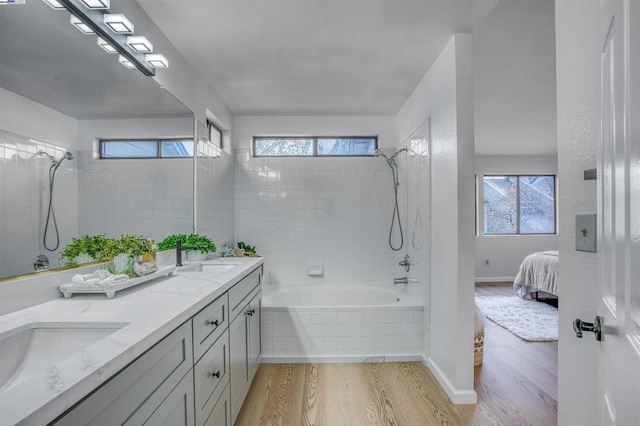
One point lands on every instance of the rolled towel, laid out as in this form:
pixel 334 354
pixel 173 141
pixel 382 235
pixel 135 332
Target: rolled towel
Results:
pixel 89 279
pixel 113 279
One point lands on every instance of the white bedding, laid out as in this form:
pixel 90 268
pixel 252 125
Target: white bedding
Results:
pixel 538 272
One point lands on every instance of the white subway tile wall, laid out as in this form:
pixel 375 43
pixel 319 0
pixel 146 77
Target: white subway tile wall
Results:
pixel 24 197
pixel 334 212
pixel 215 189
pixel 299 332
pixel 149 197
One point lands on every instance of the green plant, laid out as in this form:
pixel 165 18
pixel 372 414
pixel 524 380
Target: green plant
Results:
pixel 171 241
pixel 96 246
pixel 132 245
pixel 202 242
pixel 247 248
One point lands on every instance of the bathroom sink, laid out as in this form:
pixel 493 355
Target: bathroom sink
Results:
pixel 30 349
pixel 209 269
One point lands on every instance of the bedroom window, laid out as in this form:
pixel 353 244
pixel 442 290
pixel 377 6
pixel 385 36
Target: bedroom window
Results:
pixel 314 146
pixel 516 204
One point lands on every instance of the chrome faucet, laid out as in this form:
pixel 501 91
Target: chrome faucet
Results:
pixel 403 280
pixel 179 250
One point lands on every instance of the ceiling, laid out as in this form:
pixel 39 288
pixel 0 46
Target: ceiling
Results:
pixel 45 59
pixel 314 57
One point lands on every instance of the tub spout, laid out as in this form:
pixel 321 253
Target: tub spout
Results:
pixel 403 280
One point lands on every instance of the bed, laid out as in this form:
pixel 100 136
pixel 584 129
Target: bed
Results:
pixel 538 273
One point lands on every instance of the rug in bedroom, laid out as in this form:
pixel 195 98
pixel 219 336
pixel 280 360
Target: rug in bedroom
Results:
pixel 527 319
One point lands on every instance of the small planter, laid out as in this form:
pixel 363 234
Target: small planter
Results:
pixel 197 256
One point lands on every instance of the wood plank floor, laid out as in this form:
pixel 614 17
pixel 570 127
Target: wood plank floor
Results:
pixel 516 385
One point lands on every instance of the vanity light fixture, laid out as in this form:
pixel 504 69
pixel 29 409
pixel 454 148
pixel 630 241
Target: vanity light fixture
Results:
pixel 118 23
pixel 157 61
pixel 127 63
pixel 84 28
pixel 97 4
pixel 140 44
pixel 106 46
pixel 55 4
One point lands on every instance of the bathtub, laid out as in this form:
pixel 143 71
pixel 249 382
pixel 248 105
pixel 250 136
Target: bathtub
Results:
pixel 341 324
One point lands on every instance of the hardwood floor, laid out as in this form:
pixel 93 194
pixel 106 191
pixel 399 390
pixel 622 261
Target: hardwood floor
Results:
pixel 516 385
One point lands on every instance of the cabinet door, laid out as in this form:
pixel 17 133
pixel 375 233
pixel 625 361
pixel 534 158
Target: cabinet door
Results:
pixel 238 360
pixel 177 408
pixel 254 347
pixel 221 414
pixel 137 391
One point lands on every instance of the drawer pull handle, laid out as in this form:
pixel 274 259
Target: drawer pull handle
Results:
pixel 216 374
pixel 251 312
pixel 214 323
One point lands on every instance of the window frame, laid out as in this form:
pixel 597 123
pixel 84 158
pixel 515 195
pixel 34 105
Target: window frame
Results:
pixel 314 153
pixel 211 125
pixel 158 141
pixel 480 204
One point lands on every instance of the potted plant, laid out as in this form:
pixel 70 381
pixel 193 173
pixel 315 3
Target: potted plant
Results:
pixel 203 243
pixel 246 250
pixel 85 249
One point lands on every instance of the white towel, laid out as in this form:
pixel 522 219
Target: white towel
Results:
pixel 100 278
pixel 113 279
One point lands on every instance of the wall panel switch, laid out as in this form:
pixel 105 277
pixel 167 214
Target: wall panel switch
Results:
pixel 586 232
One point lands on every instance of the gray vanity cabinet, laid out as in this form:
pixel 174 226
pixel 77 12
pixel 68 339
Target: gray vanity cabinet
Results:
pixel 244 333
pixel 133 395
pixel 207 363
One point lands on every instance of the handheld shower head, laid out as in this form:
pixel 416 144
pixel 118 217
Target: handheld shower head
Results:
pixel 67 156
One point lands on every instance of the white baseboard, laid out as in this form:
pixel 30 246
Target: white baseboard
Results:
pixel 494 279
pixel 456 396
pixel 339 359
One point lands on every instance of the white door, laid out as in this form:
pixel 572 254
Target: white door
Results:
pixel 619 215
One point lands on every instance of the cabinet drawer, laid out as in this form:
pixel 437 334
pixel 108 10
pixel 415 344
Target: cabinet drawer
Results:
pixel 241 290
pixel 135 392
pixel 209 324
pixel 211 376
pixel 221 414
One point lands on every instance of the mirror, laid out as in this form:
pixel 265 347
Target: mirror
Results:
pixel 59 94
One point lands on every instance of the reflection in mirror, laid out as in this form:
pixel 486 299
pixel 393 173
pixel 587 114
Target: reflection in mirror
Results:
pixel 60 93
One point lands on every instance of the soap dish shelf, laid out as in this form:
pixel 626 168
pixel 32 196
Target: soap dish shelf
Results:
pixel 70 289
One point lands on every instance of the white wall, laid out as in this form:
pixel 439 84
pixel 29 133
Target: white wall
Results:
pixel 514 79
pixel 446 95
pixel 505 253
pixel 27 127
pixel 578 47
pixel 330 211
pixel 149 197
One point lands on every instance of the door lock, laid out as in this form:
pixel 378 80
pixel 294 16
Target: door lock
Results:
pixel 596 326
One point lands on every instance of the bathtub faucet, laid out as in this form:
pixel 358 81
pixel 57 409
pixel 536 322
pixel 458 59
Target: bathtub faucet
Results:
pixel 403 280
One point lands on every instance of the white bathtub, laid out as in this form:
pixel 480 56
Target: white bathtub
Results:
pixel 331 296
pixel 340 324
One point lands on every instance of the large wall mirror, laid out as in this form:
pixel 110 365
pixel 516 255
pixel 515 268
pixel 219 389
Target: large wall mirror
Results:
pixel 60 93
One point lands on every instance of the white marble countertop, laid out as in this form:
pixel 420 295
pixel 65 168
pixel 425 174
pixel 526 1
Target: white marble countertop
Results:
pixel 152 311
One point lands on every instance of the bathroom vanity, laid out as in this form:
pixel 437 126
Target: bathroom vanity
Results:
pixel 181 350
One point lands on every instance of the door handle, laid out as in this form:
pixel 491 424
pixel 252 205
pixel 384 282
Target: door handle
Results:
pixel 596 326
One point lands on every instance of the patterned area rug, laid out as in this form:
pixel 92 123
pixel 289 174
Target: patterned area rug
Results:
pixel 528 319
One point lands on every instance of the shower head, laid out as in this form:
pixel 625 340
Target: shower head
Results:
pixel 67 156
pixel 379 153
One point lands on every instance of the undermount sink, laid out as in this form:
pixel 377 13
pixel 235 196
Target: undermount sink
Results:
pixel 209 269
pixel 30 349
